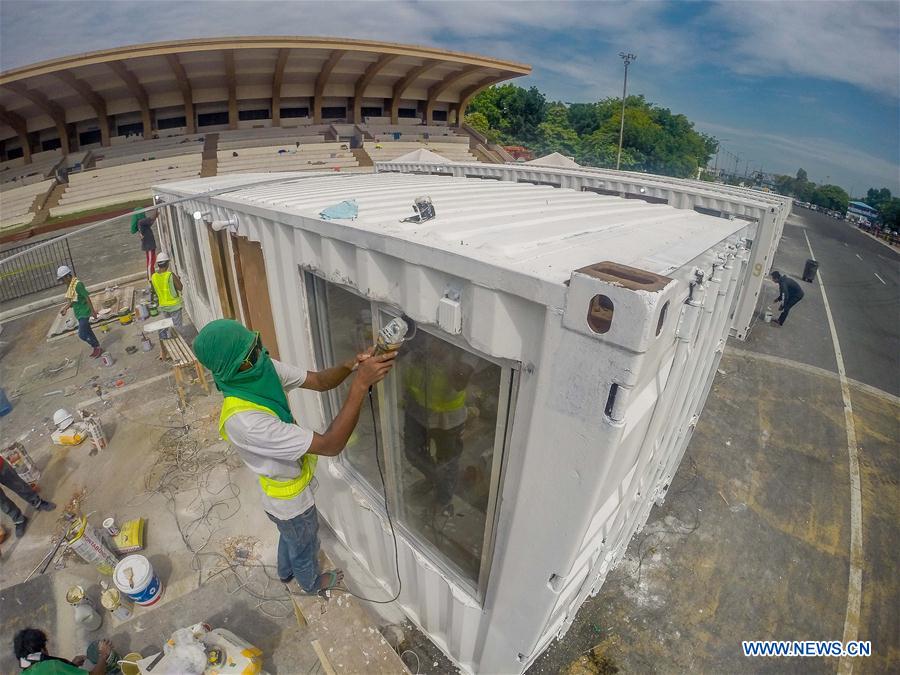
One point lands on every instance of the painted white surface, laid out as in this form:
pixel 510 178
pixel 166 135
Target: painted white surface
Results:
pixel 576 482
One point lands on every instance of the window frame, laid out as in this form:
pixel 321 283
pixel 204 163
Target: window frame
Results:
pixel 386 430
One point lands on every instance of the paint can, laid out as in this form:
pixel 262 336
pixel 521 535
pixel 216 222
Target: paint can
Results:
pixel 110 526
pixel 767 317
pixel 153 308
pixel 142 310
pixel 106 360
pixel 146 345
pixel 119 606
pixel 87 543
pixel 85 615
pixel 136 578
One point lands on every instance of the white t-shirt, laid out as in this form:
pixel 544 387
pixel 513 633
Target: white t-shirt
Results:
pixel 273 448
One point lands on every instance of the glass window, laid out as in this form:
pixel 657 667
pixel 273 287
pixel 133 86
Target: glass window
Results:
pixel 441 422
pixel 444 436
pixel 345 332
pixel 188 227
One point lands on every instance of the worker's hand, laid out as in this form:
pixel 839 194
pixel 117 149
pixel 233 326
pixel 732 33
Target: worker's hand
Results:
pixel 353 364
pixel 79 660
pixel 94 316
pixel 63 311
pixel 104 647
pixel 374 369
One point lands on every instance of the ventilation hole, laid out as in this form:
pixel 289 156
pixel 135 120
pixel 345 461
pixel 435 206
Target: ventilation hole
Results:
pixel 611 399
pixel 600 314
pixel 662 318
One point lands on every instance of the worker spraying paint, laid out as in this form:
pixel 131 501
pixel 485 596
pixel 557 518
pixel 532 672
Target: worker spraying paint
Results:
pixel 256 419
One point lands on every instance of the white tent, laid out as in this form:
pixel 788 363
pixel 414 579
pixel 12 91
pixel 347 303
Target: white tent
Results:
pixel 555 160
pixel 422 155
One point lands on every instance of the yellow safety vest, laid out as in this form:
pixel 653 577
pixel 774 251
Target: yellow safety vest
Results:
pixel 434 391
pixel 279 489
pixel 166 293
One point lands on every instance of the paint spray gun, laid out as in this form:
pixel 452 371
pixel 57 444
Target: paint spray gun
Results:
pixel 394 333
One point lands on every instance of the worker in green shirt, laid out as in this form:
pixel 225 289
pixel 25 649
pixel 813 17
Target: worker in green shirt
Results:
pixel 30 647
pixel 78 298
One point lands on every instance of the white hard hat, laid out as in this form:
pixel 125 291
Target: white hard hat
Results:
pixel 162 258
pixel 62 271
pixel 63 419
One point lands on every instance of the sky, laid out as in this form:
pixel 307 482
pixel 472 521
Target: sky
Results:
pixel 783 85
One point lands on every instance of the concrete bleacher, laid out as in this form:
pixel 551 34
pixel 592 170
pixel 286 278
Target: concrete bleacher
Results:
pixel 20 203
pixel 319 155
pixel 132 151
pixel 43 165
pixel 119 184
pixel 383 151
pixel 264 136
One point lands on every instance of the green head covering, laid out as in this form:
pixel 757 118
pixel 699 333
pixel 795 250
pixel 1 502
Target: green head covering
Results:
pixel 222 346
pixel 135 218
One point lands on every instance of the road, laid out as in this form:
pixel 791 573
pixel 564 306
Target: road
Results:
pixel 862 281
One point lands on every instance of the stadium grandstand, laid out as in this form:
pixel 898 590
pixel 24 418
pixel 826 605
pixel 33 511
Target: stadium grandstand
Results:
pixel 90 132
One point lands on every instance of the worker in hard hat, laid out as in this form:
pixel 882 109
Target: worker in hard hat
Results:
pixel 435 378
pixel 257 420
pixel 10 479
pixel 168 287
pixel 79 300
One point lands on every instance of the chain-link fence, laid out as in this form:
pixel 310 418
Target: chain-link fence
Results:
pixel 35 271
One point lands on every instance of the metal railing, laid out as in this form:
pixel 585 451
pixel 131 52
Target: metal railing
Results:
pixel 33 270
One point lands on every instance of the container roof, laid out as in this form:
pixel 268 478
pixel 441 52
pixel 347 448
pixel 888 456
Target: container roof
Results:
pixel 535 230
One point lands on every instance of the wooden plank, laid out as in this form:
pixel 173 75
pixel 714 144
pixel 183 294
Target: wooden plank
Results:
pixel 326 664
pixel 254 292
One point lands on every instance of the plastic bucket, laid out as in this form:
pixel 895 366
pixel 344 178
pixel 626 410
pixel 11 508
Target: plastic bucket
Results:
pixel 144 586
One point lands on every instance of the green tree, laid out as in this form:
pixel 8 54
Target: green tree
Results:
pixel 875 198
pixel 584 118
pixel 655 138
pixel 890 213
pixel 802 176
pixel 555 134
pixel 831 197
pixel 479 122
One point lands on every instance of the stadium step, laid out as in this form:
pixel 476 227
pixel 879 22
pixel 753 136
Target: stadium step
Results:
pixel 210 164
pixel 362 157
pixel 52 200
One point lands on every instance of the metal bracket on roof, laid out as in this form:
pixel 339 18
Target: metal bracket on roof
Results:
pixel 424 210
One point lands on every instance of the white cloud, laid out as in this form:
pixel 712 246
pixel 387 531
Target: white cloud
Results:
pixel 851 42
pixel 822 157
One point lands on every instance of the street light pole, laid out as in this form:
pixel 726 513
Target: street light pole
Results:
pixel 627 58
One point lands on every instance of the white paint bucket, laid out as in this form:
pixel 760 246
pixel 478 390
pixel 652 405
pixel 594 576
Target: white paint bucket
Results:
pixel 135 577
pixel 767 317
pixel 84 540
pixel 106 359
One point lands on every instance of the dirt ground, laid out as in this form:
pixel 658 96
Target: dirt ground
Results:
pixel 206 535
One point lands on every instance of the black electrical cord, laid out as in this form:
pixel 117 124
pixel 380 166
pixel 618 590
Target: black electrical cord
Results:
pixel 387 510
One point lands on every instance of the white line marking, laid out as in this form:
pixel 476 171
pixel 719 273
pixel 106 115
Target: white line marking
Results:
pixel 854 586
pixel 859 256
pixel 879 278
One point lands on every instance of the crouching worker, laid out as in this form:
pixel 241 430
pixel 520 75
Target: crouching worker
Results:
pixel 30 645
pixel 256 419
pixel 168 287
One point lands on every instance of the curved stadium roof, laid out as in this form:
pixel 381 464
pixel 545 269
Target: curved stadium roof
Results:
pixel 143 83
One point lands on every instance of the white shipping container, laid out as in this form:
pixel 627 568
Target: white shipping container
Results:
pixel 574 336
